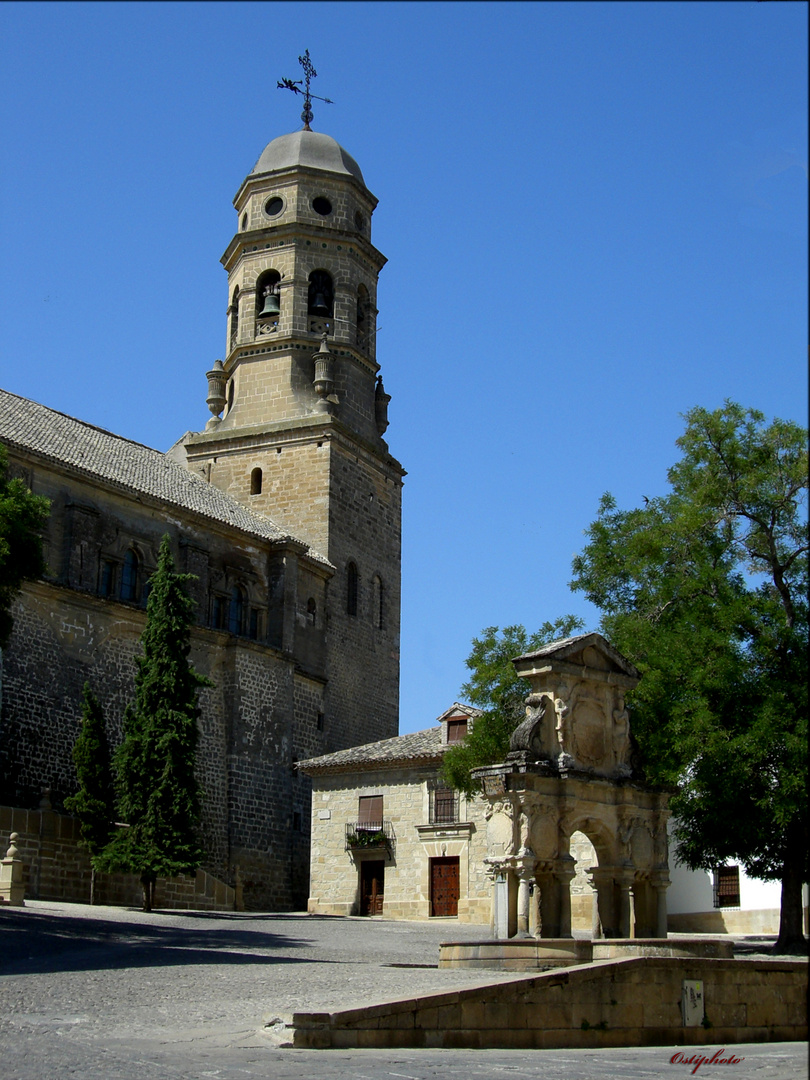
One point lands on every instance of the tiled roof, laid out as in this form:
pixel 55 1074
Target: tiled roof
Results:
pixel 128 465
pixel 419 746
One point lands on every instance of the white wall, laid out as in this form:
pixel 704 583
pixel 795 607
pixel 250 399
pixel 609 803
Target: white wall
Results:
pixel 691 890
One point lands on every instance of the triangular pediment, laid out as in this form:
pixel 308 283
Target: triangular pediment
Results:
pixel 457 710
pixel 585 650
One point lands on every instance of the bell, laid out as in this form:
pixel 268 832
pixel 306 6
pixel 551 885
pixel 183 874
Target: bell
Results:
pixel 271 307
pixel 319 305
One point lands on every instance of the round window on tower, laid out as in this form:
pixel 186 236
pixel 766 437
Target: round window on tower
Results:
pixel 274 206
pixel 322 206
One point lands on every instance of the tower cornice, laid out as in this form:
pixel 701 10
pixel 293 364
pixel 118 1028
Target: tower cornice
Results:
pixel 277 236
pixel 305 429
pixel 296 172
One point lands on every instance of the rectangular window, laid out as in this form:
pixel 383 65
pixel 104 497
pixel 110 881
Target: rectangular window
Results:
pixel 370 813
pixel 727 886
pixel 443 806
pixel 296 821
pixel 254 623
pixel 456 730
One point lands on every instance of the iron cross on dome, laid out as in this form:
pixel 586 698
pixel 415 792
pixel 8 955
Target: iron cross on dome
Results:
pixel 295 86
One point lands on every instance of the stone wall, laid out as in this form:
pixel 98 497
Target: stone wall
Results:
pixel 335 872
pixel 56 867
pixel 726 921
pixel 633 1002
pixel 245 752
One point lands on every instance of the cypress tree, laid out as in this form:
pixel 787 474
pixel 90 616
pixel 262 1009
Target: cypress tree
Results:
pixel 158 794
pixel 93 804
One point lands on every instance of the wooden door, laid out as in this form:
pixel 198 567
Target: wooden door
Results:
pixel 444 886
pixel 372 883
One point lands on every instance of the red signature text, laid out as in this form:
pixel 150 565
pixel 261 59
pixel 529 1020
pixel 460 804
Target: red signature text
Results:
pixel 700 1059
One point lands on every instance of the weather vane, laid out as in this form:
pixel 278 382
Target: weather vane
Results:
pixel 295 86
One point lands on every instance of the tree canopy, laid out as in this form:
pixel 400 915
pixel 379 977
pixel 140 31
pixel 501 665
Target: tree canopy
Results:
pixel 496 689
pixel 158 794
pixel 23 516
pixel 704 589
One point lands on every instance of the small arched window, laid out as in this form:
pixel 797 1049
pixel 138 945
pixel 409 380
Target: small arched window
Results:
pixel 244 222
pixel 129 576
pixel 256 482
pixel 363 306
pixel 321 294
pixel 378 610
pixel 312 611
pixel 236 610
pixel 234 309
pixel 351 589
pixel 231 389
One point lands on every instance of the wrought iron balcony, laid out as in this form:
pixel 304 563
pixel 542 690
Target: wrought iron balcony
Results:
pixel 367 835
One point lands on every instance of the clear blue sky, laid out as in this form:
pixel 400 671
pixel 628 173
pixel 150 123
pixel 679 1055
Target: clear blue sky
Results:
pixel 595 216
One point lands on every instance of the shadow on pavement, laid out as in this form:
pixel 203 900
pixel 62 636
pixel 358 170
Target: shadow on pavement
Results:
pixel 36 942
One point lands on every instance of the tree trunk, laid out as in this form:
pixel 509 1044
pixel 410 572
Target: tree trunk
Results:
pixel 92 884
pixel 148 892
pixel 791 933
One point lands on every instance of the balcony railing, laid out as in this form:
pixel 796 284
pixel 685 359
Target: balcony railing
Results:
pixel 367 835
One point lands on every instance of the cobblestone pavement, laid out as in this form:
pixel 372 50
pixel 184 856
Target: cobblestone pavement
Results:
pixel 116 994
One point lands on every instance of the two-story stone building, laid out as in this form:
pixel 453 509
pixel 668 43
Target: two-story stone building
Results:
pixel 388 835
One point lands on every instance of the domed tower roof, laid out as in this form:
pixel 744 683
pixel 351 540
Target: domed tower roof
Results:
pixel 311 149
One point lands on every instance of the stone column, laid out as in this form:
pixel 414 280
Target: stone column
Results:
pixel 547 905
pixel 12 889
pixel 602 878
pixel 660 885
pixel 563 875
pixel 623 882
pixel 596 919
pixel 525 873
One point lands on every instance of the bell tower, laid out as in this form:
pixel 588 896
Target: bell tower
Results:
pixel 299 410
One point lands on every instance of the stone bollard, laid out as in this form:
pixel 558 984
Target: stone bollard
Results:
pixel 11 876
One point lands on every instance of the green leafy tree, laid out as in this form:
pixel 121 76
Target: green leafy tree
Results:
pixel 496 689
pixel 23 516
pixel 94 802
pixel 705 590
pixel 158 794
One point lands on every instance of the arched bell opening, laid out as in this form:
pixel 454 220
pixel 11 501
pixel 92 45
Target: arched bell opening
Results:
pixel 256 481
pixel 268 302
pixel 320 301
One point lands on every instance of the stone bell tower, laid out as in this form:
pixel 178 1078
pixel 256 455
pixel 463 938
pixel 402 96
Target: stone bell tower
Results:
pixel 299 410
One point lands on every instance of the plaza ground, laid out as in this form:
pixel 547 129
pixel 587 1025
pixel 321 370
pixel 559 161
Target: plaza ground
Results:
pixel 116 994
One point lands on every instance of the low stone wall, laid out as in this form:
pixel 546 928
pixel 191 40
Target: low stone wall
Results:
pixel 633 1002
pixel 57 868
pixel 725 921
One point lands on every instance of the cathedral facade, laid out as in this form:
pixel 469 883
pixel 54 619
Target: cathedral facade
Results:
pixel 286 508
